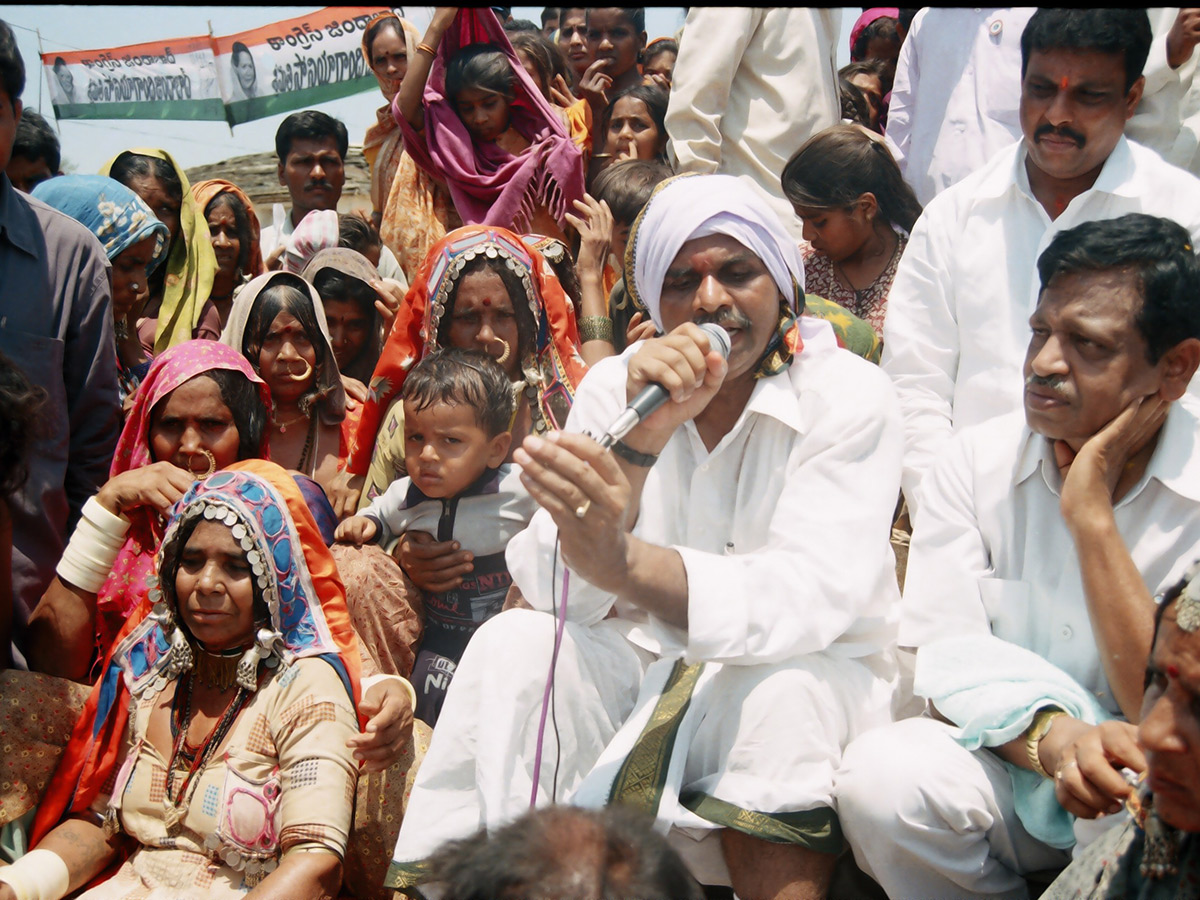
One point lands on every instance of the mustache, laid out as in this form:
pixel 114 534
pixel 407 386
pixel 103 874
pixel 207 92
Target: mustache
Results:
pixel 1062 131
pixel 1055 384
pixel 317 184
pixel 727 317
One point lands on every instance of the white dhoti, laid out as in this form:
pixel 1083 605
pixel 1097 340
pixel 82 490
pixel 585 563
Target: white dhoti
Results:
pixel 699 746
pixel 929 819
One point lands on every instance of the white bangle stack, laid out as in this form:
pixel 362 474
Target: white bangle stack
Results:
pixel 93 547
pixel 38 875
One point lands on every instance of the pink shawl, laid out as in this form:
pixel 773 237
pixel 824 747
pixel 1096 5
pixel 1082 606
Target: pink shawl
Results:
pixel 490 186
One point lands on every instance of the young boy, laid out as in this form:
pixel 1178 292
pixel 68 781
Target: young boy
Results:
pixel 625 188
pixel 458 409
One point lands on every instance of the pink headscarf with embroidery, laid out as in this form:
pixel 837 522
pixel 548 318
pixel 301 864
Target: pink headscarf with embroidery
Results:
pixel 489 185
pixel 125 587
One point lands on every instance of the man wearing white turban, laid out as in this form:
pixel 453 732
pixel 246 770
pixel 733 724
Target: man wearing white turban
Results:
pixel 722 580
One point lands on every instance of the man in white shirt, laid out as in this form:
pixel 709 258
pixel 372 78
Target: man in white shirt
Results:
pixel 958 84
pixel 956 318
pixel 731 597
pixel 751 84
pixel 954 99
pixel 1026 594
pixel 311 147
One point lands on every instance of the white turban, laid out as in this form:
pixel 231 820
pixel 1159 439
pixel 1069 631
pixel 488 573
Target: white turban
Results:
pixel 689 207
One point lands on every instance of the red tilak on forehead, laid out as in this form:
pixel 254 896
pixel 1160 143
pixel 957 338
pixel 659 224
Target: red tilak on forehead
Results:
pixel 1172 671
pixel 1063 84
pixel 487 301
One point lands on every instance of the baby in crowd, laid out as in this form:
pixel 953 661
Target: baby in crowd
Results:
pixel 458 412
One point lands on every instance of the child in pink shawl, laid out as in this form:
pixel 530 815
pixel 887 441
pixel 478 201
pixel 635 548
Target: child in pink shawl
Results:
pixel 472 118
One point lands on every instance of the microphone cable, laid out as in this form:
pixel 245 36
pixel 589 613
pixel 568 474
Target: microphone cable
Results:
pixel 548 694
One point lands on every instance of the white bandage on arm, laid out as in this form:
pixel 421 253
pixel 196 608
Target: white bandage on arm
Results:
pixel 38 875
pixel 93 547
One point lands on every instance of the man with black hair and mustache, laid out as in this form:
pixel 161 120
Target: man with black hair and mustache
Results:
pixel 311 147
pixel 957 314
pixel 1028 595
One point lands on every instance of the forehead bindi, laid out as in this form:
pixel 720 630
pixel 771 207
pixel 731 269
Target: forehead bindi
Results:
pixel 1077 68
pixel 285 325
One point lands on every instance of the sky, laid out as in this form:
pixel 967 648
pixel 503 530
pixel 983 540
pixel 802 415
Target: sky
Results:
pixel 88 144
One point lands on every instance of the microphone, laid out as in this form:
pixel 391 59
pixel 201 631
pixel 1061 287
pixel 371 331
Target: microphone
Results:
pixel 654 395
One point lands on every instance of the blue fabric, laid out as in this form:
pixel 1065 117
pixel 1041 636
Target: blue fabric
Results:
pixel 991 689
pixel 117 216
pixel 236 497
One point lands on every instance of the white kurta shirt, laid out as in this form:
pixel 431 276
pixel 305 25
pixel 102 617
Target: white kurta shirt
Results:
pixel 957 91
pixel 990 549
pixel 751 85
pixel 957 323
pixel 783 527
pixel 955 96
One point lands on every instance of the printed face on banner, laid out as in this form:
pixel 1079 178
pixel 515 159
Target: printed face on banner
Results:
pixel 244 72
pixel 173 79
pixel 288 65
pixel 295 63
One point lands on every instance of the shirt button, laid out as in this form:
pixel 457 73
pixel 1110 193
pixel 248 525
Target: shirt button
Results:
pixel 1066 633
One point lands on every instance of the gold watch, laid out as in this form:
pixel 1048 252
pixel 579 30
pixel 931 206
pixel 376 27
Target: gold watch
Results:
pixel 1038 728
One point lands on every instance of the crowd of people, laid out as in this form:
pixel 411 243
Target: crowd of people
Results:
pixel 701 472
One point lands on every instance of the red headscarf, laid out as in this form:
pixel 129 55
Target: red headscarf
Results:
pixel 206 191
pixel 554 359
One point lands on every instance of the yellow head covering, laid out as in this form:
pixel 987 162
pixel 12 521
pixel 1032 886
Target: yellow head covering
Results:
pixel 191 263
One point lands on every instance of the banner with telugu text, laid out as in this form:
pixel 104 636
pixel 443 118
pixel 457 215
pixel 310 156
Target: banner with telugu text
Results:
pixel 295 63
pixel 237 78
pixel 175 79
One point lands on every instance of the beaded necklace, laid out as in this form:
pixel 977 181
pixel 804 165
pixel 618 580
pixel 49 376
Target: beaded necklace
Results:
pixel 176 807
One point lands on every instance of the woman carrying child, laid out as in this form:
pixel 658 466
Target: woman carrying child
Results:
pixel 483 289
pixel 472 118
pixel 458 409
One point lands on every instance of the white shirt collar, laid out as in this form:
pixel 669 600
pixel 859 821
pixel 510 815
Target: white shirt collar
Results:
pixel 1175 463
pixel 1007 172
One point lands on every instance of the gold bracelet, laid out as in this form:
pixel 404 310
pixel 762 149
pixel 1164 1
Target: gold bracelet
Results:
pixel 595 328
pixel 424 46
pixel 1038 729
